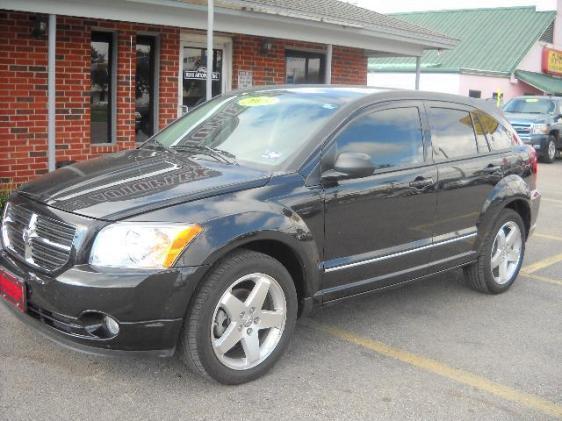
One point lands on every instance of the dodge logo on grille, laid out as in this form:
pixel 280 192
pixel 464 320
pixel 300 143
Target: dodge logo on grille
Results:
pixel 28 235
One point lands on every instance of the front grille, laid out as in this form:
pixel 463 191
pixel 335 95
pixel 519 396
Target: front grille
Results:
pixel 41 241
pixel 522 129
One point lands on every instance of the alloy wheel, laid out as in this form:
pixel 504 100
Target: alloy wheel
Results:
pixel 506 252
pixel 248 321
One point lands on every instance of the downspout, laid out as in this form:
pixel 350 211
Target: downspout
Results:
pixel 210 24
pixel 51 93
pixel 329 51
pixel 418 71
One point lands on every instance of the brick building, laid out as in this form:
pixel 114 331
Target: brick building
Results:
pixel 124 68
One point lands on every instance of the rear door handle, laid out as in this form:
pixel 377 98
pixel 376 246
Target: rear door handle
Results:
pixel 491 169
pixel 421 182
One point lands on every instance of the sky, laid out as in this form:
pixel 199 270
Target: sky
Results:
pixel 386 6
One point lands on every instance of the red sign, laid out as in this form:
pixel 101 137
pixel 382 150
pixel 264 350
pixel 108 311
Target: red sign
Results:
pixel 552 61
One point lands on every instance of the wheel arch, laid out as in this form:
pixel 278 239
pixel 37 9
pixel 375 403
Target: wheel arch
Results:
pixel 282 235
pixel 302 269
pixel 289 258
pixel 511 192
pixel 523 208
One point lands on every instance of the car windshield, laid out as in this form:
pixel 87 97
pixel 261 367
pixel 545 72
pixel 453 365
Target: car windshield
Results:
pixel 263 128
pixel 530 106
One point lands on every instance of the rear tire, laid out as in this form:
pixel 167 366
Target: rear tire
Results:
pixel 501 257
pixel 550 154
pixel 240 320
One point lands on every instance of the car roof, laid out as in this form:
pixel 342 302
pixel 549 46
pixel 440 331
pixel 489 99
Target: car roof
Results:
pixel 358 93
pixel 360 96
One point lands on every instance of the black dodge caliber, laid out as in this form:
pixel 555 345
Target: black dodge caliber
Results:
pixel 212 237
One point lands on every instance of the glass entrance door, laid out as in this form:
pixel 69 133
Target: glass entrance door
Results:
pixel 194 75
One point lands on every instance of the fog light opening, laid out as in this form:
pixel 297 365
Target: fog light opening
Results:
pixel 111 325
pixel 99 325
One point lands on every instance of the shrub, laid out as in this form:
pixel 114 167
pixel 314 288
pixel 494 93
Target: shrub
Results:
pixel 5 192
pixel 3 199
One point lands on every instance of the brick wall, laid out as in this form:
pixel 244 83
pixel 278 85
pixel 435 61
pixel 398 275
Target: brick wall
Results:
pixel 23 100
pixel 23 91
pixel 23 86
pixel 349 65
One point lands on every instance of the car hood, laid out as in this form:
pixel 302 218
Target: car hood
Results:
pixel 128 183
pixel 526 118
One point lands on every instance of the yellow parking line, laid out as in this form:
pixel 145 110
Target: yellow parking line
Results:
pixel 443 370
pixel 541 264
pixel 542 278
pixel 547 236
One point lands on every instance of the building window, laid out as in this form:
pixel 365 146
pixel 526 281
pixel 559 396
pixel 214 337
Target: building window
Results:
pixel 304 67
pixel 498 97
pixel 102 86
pixel 474 94
pixel 145 88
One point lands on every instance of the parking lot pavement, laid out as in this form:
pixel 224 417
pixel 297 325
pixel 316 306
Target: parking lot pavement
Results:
pixel 432 350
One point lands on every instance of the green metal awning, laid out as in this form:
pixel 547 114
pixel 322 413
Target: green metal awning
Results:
pixel 547 84
pixel 488 41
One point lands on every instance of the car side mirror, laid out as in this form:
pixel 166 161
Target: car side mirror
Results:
pixel 350 165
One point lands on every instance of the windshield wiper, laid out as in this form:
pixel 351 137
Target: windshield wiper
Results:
pixel 154 143
pixel 217 154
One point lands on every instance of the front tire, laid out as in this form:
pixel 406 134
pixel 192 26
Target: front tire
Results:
pixel 549 155
pixel 241 319
pixel 501 257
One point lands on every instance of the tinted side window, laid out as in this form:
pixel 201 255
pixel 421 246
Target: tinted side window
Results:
pixel 483 146
pixel 390 137
pixel 452 134
pixel 498 136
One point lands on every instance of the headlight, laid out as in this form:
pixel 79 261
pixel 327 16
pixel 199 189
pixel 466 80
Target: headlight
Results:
pixel 141 245
pixel 540 128
pixel 4 228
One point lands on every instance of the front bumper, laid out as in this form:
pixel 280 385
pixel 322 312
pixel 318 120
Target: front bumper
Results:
pixel 149 306
pixel 537 141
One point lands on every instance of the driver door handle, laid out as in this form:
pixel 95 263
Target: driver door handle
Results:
pixel 422 182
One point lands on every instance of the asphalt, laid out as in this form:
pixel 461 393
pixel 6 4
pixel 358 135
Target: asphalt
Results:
pixel 431 350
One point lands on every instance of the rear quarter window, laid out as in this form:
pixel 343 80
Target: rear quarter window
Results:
pixel 499 137
pixel 481 140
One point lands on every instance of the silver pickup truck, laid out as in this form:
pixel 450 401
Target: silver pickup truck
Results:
pixel 538 121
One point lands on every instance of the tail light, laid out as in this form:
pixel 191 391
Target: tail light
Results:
pixel 533 159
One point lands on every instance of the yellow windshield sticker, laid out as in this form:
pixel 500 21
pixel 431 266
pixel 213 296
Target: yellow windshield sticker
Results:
pixel 258 101
pixel 531 100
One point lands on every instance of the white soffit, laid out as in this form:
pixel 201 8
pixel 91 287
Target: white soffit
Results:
pixel 189 15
